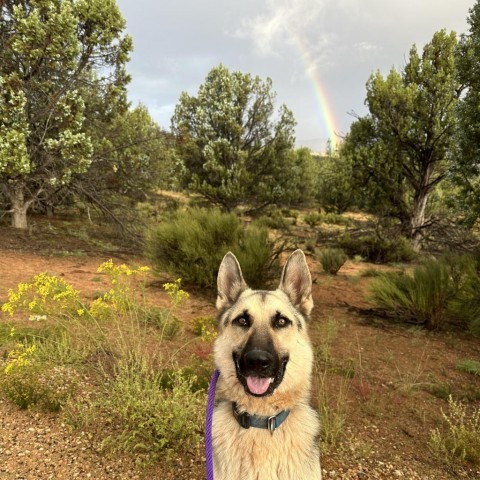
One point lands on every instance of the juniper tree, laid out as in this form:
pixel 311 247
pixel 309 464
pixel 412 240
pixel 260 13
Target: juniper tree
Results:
pixel 412 125
pixel 234 146
pixel 48 50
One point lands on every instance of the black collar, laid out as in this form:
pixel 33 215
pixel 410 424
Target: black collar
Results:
pixel 246 420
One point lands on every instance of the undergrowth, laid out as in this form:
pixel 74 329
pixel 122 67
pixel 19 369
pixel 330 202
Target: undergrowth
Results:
pixel 459 436
pixel 192 244
pixel 436 294
pixel 116 341
pixel 332 260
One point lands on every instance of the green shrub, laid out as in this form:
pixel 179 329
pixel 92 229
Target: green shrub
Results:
pixel 465 305
pixel 287 212
pixel 438 292
pixel 459 438
pixel 422 297
pixel 313 219
pixel 274 220
pixel 332 259
pixel 150 421
pixel 27 382
pixel 335 219
pixel 377 250
pixel 469 366
pixel 163 319
pixel 193 243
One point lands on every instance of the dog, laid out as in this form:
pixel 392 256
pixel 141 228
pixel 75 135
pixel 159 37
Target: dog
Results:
pixel 263 426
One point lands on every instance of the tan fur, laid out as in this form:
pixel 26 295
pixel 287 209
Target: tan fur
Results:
pixel 290 452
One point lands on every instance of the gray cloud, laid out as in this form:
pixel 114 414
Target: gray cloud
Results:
pixel 340 42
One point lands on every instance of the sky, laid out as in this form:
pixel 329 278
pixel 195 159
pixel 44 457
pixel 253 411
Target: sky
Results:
pixel 318 53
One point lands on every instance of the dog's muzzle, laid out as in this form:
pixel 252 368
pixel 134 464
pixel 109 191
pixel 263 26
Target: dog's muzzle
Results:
pixel 259 371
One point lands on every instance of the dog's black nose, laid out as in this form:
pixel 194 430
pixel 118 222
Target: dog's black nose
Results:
pixel 257 360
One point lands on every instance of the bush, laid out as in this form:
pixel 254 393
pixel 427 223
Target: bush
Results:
pixel 335 219
pixel 378 250
pixel 274 220
pixel 194 242
pixel 460 437
pixel 332 259
pixel 438 292
pixel 313 219
pixel 422 297
pixel 150 421
pixel 27 382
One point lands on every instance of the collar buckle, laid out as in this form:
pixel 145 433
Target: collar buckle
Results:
pixel 272 423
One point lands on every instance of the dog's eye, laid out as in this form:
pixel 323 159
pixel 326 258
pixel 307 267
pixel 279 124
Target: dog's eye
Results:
pixel 281 322
pixel 242 321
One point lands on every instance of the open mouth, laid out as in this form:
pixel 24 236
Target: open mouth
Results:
pixel 260 385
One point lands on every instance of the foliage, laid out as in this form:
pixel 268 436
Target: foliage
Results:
pixel 335 219
pixel 403 146
pixel 48 49
pixel 151 422
pixel 430 296
pixel 335 187
pixel 460 437
pixel 232 149
pixel 193 243
pixel 469 366
pixel 467 172
pixel 332 260
pixel 204 327
pixel 42 297
pixel 132 157
pixel 113 335
pixel 28 382
pixel 274 220
pixel 376 249
pixel 421 298
pixel 312 219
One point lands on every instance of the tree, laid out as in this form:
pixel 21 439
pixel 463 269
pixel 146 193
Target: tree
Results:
pixel 413 121
pixel 232 147
pixel 335 175
pixel 467 173
pixel 48 50
pixel 371 178
pixel 132 156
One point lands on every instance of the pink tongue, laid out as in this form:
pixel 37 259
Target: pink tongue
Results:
pixel 258 385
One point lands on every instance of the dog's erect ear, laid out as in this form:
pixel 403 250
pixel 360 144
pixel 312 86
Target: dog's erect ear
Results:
pixel 230 282
pixel 296 282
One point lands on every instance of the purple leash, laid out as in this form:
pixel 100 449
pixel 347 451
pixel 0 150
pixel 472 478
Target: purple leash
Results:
pixel 208 424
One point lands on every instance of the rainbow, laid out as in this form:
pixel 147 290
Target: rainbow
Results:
pixel 326 112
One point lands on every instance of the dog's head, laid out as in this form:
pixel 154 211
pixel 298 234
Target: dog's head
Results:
pixel 263 349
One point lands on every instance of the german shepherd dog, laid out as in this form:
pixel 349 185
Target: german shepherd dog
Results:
pixel 263 427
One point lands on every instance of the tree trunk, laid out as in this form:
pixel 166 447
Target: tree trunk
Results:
pixel 418 218
pixel 19 207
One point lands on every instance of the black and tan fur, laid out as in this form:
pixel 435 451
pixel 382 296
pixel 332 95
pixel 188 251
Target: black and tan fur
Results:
pixel 263 340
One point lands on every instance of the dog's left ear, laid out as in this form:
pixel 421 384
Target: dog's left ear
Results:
pixel 230 282
pixel 296 282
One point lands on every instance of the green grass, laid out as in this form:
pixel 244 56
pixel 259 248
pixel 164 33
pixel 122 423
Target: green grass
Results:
pixel 469 366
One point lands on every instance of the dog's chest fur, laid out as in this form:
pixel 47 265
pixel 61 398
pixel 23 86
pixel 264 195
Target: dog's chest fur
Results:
pixel 289 453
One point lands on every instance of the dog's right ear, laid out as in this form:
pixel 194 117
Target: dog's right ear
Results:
pixel 296 282
pixel 230 282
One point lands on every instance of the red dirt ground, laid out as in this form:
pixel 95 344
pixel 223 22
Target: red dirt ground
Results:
pixel 390 400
